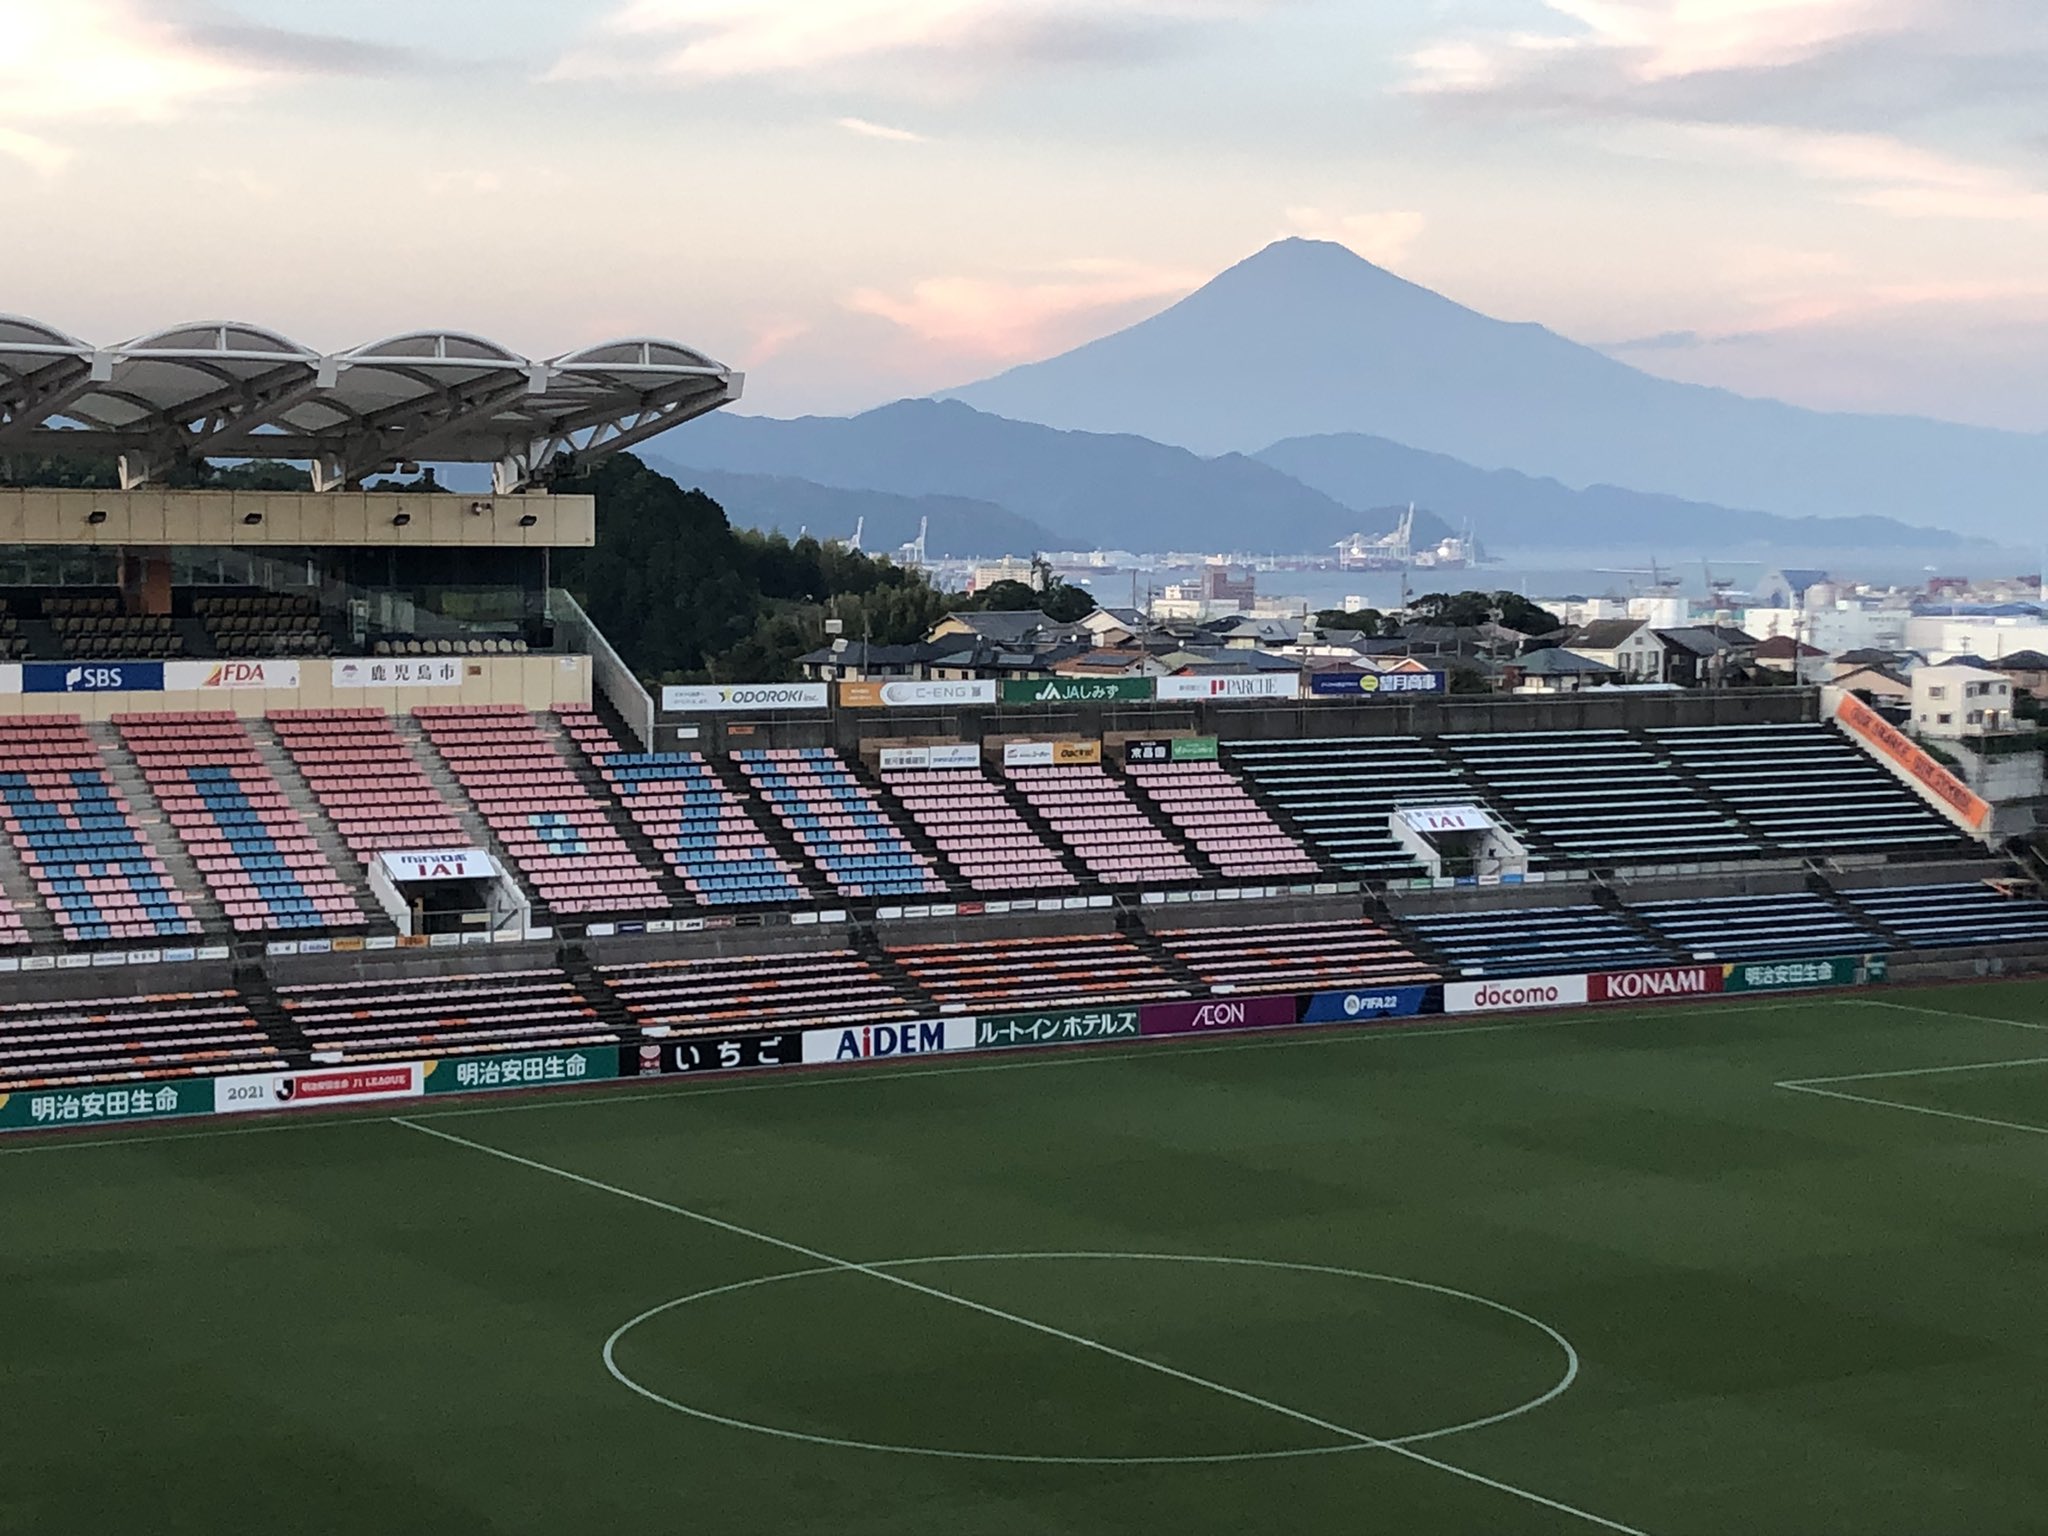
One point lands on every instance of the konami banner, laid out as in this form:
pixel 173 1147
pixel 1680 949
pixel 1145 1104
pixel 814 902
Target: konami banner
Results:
pixel 1671 981
pixel 1515 993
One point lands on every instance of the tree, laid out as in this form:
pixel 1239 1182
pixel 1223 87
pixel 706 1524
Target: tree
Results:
pixel 1469 610
pixel 1365 621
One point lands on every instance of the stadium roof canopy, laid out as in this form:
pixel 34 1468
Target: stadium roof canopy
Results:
pixel 236 391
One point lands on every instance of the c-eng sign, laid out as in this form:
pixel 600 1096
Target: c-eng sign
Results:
pixel 863 1042
pixel 1643 986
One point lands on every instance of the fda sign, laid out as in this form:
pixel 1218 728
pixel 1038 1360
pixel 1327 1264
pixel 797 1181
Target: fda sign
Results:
pixel 867 1041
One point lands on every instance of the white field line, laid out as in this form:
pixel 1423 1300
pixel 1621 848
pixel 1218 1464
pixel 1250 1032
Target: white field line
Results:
pixel 1916 1109
pixel 934 1292
pixel 766 1080
pixel 1871 1077
pixel 1945 1013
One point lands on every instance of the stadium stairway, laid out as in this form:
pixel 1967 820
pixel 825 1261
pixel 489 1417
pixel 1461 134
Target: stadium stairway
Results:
pixel 313 816
pixel 621 821
pixel 1088 883
pixel 576 964
pixel 867 943
pixel 130 782
pixel 1168 828
pixel 1543 854
pixel 957 887
pixel 1609 900
pixel 1278 815
pixel 449 788
pixel 1132 927
pixel 779 836
pixel 1690 777
pixel 17 887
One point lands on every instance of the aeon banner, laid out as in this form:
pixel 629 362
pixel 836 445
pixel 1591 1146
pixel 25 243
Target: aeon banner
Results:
pixel 1217 1013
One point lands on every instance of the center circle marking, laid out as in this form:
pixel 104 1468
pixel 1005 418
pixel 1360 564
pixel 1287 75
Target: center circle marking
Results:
pixel 1373 1443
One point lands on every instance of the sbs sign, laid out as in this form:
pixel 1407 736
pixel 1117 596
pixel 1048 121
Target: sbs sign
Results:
pixel 1523 992
pixel 1668 981
pixel 738 697
pixel 869 1041
pixel 92 677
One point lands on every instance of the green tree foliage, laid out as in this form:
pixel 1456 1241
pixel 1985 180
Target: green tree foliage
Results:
pixel 1058 601
pixel 1366 621
pixel 1470 609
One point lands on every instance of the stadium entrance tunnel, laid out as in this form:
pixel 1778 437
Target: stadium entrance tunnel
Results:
pixel 1109 1359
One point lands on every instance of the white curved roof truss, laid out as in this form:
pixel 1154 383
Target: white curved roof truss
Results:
pixel 228 389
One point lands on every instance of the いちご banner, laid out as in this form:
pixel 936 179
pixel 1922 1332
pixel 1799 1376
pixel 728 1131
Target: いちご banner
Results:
pixel 1791 975
pixel 1653 985
pixel 869 1041
pixel 47 1108
pixel 1370 1003
pixel 1514 993
pixel 1067 1026
pixel 1218 1013
pixel 714 1053
pixel 530 1069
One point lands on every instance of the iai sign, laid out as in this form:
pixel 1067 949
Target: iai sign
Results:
pixel 867 1041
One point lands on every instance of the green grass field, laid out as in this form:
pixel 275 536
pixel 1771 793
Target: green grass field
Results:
pixel 1600 1272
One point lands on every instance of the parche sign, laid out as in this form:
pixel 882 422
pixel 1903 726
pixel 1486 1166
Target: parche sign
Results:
pixel 438 864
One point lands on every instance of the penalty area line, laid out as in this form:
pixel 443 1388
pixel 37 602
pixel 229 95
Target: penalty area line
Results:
pixel 1081 1340
pixel 1914 1109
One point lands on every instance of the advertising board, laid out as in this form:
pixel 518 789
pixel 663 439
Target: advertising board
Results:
pixel 1063 1026
pixel 529 1069
pixel 92 677
pixel 1078 690
pixel 1171 749
pixel 736 697
pixel 1355 685
pixel 1968 808
pixel 1076 754
pixel 29 1109
pixel 219 676
pixel 1663 982
pixel 1789 975
pixel 863 1042
pixel 963 754
pixel 407 866
pixel 1217 1013
pixel 901 693
pixel 1027 754
pixel 1513 993
pixel 1251 685
pixel 1365 1004
pixel 1446 818
pixel 715 1053
pixel 396 672
pixel 326 1085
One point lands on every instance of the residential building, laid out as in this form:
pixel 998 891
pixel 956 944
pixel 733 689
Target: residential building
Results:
pixel 1961 699
pixel 1629 646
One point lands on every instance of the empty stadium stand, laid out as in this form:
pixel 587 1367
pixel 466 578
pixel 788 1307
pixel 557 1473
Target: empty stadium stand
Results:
pixel 13 644
pixel 999 973
pixel 1212 810
pixel 263 624
pixel 97 629
pixel 406 1016
pixel 367 780
pixel 1534 941
pixel 717 994
pixel 12 931
pixel 1600 798
pixel 1808 789
pixel 699 827
pixel 1097 819
pixel 130 1039
pixel 92 866
pixel 260 860
pixel 966 816
pixel 1339 793
pixel 559 838
pixel 1953 915
pixel 1296 957
pixel 839 822
pixel 1759 927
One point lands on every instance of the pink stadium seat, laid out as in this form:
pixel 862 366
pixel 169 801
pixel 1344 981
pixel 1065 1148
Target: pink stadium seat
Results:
pixel 1215 813
pixel 1098 821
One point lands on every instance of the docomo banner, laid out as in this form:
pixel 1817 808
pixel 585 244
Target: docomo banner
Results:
pixel 1218 1013
pixel 1898 748
pixel 302 1090
pixel 1523 992
pixel 905 693
pixel 1640 986
pixel 212 676
pixel 756 697
pixel 1257 685
pixel 956 755
pixel 438 864
pixel 867 1041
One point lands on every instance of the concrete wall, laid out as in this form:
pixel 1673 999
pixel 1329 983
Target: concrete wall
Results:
pixel 155 518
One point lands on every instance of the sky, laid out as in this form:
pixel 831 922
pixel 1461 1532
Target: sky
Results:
pixel 1843 203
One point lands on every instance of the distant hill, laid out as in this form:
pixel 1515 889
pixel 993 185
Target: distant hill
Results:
pixel 1307 338
pixel 958 525
pixel 1089 490
pixel 1517 511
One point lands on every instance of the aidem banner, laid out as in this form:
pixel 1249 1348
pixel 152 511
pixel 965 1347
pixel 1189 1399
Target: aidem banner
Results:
pixel 864 1042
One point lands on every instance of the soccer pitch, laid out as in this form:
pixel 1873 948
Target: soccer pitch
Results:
pixel 1756 1268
